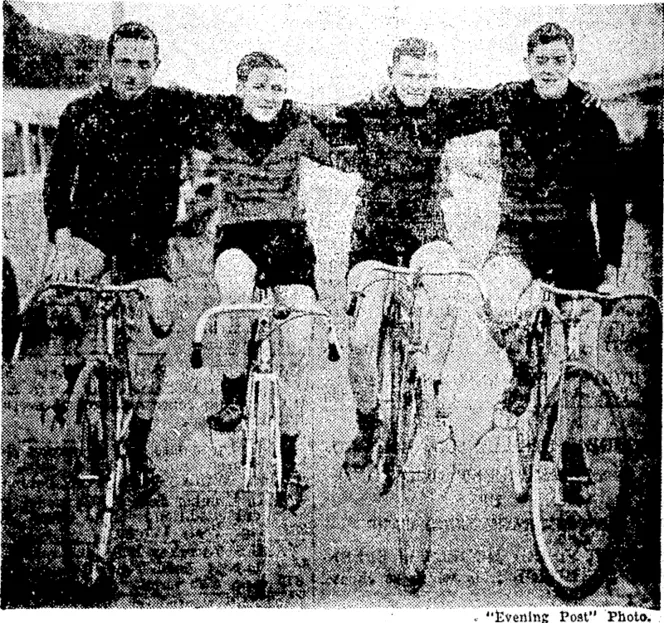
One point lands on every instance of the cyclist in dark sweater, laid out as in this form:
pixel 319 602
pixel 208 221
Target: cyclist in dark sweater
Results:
pixel 398 138
pixel 558 158
pixel 112 187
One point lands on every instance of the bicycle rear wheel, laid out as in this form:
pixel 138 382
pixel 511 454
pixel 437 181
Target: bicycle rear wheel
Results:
pixel 93 408
pixel 577 474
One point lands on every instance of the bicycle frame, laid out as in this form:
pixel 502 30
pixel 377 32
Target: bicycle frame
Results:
pixel 261 372
pixel 260 375
pixel 111 337
pixel 408 321
pixel 570 321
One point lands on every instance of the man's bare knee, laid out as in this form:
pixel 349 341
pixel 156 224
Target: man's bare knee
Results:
pixel 506 279
pixel 435 256
pixel 296 335
pixel 234 274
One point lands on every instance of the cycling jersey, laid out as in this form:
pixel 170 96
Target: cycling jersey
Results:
pixel 258 165
pixel 557 158
pixel 399 152
pixel 114 174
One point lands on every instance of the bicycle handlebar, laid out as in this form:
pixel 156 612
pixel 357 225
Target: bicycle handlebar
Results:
pixel 279 312
pixel 451 272
pixel 130 288
pixel 577 295
pixel 596 296
pixel 91 287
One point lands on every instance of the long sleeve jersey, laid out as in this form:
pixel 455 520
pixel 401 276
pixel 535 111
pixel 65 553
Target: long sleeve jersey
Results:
pixel 557 156
pixel 114 171
pixel 398 150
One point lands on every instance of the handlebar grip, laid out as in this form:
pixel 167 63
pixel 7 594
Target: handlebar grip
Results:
pixel 333 352
pixel 196 355
pixel 332 345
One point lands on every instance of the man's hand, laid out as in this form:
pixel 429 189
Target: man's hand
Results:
pixel 591 99
pixel 610 283
pixel 64 260
pixel 74 259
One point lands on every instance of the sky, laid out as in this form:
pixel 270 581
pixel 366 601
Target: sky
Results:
pixel 339 52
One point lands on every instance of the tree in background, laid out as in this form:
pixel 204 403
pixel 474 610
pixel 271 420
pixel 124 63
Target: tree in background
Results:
pixel 39 59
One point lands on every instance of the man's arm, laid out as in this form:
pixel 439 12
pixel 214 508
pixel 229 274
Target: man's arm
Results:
pixel 608 194
pixel 341 127
pixel 200 113
pixel 317 149
pixel 60 174
pixel 469 111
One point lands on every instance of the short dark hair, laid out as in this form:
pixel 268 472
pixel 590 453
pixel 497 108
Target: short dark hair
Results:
pixel 548 33
pixel 412 46
pixel 132 30
pixel 256 60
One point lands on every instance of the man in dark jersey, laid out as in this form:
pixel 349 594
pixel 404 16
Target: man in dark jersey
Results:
pixel 260 142
pixel 398 137
pixel 558 158
pixel 112 189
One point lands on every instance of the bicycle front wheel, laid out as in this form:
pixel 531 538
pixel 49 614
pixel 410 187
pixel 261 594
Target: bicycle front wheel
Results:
pixel 93 408
pixel 415 475
pixel 577 473
pixel 263 484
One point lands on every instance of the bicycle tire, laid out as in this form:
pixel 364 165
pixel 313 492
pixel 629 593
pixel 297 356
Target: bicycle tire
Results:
pixel 262 488
pixel 390 361
pixel 93 485
pixel 415 475
pixel 574 517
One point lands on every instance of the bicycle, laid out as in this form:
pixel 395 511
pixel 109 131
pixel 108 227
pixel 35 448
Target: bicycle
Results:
pixel 261 461
pixel 415 437
pixel 96 427
pixel 570 450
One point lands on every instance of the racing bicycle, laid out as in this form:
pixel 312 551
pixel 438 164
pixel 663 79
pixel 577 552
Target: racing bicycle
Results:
pixel 415 454
pixel 261 462
pixel 570 453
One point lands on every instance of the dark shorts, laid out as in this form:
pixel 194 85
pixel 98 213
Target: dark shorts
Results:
pixel 391 240
pixel 139 258
pixel 281 250
pixel 566 257
pixel 149 260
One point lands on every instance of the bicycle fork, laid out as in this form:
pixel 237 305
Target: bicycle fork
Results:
pixel 568 433
pixel 263 384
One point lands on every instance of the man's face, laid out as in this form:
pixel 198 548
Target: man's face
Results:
pixel 133 66
pixel 413 79
pixel 550 65
pixel 263 93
